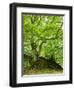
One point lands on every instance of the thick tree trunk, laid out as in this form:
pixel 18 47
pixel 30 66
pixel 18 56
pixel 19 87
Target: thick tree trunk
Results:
pixel 34 50
pixel 35 55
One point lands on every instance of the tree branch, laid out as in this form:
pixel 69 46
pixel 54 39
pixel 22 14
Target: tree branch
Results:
pixel 56 36
pixel 40 46
pixel 59 29
pixel 52 38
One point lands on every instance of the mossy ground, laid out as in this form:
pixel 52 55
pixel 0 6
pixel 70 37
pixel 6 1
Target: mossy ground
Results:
pixel 41 66
pixel 42 71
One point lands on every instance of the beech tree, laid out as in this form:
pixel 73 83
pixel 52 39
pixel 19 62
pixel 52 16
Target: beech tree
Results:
pixel 43 36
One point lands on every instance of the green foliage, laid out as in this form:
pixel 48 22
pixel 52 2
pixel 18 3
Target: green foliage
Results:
pixel 43 36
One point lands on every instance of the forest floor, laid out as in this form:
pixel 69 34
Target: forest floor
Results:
pixel 42 71
pixel 42 66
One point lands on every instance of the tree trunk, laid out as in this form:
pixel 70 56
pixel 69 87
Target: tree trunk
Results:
pixel 35 55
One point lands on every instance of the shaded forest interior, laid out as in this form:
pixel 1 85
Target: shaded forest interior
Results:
pixel 42 44
pixel 34 67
